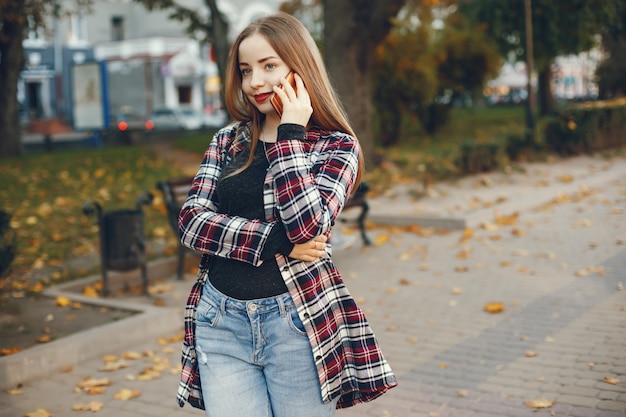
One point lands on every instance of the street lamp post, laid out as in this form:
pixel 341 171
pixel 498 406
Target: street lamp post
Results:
pixel 530 101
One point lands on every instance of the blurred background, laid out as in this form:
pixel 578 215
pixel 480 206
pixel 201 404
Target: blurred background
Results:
pixel 101 99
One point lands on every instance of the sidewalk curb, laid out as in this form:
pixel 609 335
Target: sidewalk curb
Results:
pixel 42 360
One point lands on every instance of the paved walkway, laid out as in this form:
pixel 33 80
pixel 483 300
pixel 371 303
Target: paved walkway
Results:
pixel 554 256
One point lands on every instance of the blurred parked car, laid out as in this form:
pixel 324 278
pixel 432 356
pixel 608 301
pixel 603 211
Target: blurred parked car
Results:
pixel 127 125
pixel 183 118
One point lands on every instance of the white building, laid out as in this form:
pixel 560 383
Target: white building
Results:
pixel 150 60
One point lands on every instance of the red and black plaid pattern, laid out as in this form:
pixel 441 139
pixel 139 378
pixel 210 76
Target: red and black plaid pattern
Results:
pixel 308 183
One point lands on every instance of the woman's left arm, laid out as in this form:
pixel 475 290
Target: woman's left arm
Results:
pixel 311 195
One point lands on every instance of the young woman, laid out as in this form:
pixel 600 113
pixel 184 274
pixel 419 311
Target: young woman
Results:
pixel 270 328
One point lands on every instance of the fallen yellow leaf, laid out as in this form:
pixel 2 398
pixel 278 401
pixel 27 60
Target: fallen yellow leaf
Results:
pixel 40 412
pixel 90 406
pixel 95 390
pixel 113 366
pixel 467 234
pixel 539 403
pixel 127 394
pixel 89 291
pixel 609 380
pixel 89 382
pixel 62 301
pixel 494 307
pixel 506 220
pixel 9 351
pixel 381 239
pixel 132 355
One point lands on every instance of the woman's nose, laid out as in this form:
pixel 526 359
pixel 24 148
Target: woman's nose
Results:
pixel 256 80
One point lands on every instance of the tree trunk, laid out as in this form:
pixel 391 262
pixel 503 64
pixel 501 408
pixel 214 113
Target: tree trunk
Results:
pixel 352 30
pixel 11 63
pixel 220 44
pixel 544 92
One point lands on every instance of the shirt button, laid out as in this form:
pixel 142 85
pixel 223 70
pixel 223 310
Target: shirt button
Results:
pixel 285 268
pixel 267 186
pixel 318 358
pixel 307 315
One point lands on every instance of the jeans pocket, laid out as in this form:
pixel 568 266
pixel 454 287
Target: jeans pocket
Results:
pixel 208 313
pixel 295 323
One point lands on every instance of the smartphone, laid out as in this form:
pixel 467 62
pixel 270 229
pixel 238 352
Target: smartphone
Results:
pixel 275 100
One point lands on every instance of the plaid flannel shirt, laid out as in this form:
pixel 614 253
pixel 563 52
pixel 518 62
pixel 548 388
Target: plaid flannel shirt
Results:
pixel 306 187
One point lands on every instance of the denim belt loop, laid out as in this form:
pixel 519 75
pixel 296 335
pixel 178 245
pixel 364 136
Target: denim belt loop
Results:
pixel 281 306
pixel 223 305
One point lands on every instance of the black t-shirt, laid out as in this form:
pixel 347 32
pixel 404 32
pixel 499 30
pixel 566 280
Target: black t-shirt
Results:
pixel 242 195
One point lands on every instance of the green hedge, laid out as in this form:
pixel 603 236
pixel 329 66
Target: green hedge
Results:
pixel 587 128
pixel 476 157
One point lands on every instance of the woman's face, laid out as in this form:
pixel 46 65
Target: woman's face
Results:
pixel 261 69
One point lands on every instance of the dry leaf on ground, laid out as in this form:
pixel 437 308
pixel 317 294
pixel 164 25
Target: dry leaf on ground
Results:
pixel 113 366
pixel 609 380
pixel 492 308
pixel 539 403
pixel 90 406
pixel 40 412
pixel 62 301
pixel 127 394
pixel 89 382
pixel 506 220
pixel 132 355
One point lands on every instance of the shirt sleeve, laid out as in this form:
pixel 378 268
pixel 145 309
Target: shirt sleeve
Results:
pixel 277 242
pixel 205 230
pixel 310 191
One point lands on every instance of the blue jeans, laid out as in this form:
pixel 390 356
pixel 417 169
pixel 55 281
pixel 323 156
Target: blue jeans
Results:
pixel 255 359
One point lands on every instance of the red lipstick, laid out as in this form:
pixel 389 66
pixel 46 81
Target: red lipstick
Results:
pixel 260 98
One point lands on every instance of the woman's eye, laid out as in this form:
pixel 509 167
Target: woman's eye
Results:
pixel 270 66
pixel 245 71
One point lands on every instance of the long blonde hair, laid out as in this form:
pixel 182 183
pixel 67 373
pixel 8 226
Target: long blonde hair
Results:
pixel 296 47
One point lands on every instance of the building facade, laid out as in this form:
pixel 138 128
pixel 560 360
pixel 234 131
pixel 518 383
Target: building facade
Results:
pixel 150 60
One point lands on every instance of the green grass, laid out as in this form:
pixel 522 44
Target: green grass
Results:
pixel 418 155
pixel 45 194
pixel 196 142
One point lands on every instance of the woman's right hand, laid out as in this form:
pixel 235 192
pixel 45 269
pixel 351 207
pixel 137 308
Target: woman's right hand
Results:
pixel 311 250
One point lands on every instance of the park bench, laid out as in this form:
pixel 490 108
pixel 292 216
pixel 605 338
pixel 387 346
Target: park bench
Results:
pixel 175 192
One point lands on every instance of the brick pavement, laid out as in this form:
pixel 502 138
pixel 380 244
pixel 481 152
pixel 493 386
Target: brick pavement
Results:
pixel 560 272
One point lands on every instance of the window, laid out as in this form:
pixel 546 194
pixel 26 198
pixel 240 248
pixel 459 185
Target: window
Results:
pixel 184 94
pixel 117 28
pixel 78 28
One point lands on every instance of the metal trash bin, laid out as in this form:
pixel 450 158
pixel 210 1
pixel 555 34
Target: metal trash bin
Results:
pixel 122 244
